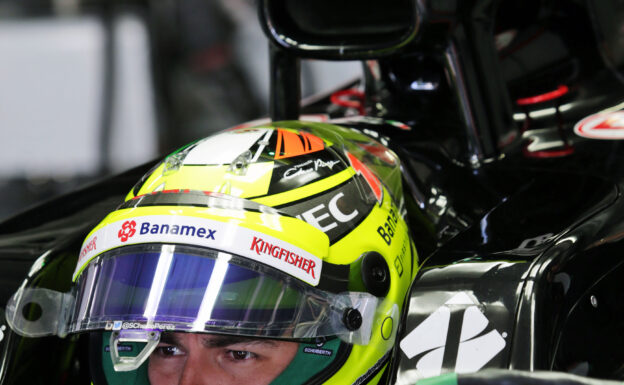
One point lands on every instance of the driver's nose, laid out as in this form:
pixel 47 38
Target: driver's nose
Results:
pixel 198 371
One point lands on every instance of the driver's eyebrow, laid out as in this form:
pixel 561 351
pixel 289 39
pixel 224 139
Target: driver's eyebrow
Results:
pixel 221 341
pixel 217 341
pixel 169 338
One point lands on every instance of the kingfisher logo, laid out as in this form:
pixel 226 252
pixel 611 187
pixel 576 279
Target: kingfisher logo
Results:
pixel 262 247
pixel 455 337
pixel 127 230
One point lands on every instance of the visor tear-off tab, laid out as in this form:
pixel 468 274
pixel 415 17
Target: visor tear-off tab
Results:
pixel 129 363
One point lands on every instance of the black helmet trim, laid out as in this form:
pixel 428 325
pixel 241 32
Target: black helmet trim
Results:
pixel 196 198
pixel 336 211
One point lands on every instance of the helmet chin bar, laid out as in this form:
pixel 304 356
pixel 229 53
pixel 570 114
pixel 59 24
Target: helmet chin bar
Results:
pixel 129 363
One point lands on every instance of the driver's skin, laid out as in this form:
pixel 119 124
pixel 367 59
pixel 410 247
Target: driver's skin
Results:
pixel 188 358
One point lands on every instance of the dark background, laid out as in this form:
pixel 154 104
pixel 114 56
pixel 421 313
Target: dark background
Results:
pixel 92 88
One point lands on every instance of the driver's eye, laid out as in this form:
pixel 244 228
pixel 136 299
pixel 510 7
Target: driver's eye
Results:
pixel 168 350
pixel 240 355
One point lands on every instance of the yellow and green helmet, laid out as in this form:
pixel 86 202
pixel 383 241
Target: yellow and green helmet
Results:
pixel 289 231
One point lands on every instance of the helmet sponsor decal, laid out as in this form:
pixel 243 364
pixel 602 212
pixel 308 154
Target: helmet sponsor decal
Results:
pixel 372 371
pixel 318 351
pixel 226 147
pixel 308 167
pixel 368 175
pixel 155 228
pixel 291 144
pixel 120 348
pixel 432 349
pixel 335 212
pixel 399 260
pixel 608 126
pixel 124 325
pixel 227 237
pixel 127 231
pixel 292 173
pixel 91 246
pixel 262 247
pixel 387 230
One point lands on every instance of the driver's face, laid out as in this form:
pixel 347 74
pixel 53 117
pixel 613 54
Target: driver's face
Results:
pixel 185 358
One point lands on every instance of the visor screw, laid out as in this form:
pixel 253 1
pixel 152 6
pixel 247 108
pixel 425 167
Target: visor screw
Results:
pixel 379 274
pixel 375 274
pixel 320 341
pixel 593 300
pixel 352 318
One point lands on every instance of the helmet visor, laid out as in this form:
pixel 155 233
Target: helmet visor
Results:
pixel 185 288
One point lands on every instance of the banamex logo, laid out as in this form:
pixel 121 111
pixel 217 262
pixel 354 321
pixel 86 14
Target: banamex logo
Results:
pixel 127 230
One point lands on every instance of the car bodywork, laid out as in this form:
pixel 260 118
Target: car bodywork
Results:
pixel 517 219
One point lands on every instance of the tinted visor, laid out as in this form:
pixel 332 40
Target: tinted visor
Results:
pixel 182 288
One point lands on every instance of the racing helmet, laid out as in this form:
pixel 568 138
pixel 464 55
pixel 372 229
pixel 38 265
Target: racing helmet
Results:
pixel 289 231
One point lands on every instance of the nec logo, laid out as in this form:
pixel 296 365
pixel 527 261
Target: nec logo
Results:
pixel 455 337
pixel 334 212
pixel 327 217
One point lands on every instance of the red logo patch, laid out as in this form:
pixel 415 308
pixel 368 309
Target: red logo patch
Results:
pixel 609 126
pixel 127 230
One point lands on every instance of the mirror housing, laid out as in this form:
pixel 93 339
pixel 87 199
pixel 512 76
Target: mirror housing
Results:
pixel 340 30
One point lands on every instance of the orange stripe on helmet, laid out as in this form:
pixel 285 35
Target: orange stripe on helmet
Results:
pixel 290 144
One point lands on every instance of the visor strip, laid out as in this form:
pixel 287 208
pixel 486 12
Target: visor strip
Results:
pixel 227 237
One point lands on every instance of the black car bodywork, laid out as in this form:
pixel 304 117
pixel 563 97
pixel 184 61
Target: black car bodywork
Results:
pixel 518 222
